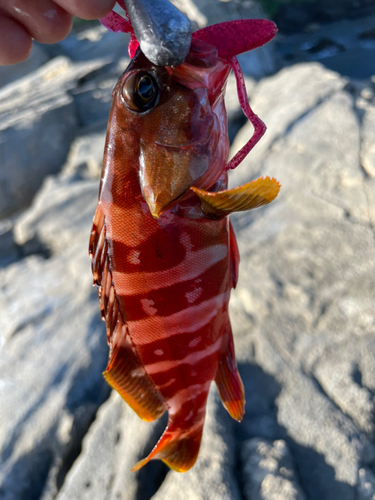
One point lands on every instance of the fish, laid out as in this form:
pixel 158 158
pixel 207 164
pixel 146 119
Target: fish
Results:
pixel 163 249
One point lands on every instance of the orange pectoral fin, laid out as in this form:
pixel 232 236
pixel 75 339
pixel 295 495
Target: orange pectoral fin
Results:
pixel 254 194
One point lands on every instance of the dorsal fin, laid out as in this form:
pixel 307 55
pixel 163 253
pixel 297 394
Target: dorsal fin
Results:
pixel 124 372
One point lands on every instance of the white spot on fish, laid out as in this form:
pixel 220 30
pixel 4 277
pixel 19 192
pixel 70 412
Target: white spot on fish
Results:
pixel 50 14
pixel 137 372
pixel 189 416
pixel 195 342
pixel 133 257
pixel 159 352
pixel 147 306
pixel 166 218
pixel 193 295
pixel 186 242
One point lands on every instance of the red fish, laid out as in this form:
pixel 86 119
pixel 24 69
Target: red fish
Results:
pixel 164 254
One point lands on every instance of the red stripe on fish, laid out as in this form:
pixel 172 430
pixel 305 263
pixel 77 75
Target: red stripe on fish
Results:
pixel 164 254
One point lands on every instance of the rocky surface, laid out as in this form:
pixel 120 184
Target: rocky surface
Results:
pixel 52 345
pixel 346 46
pixel 303 307
pixel 302 314
pixel 38 121
pixel 268 471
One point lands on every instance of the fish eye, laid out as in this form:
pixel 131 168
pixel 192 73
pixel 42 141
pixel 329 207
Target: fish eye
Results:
pixel 139 91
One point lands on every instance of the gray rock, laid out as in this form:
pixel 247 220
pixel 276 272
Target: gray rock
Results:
pixel 114 443
pixel 37 123
pixel 94 43
pixel 7 245
pixel 61 208
pixel 37 58
pixel 268 471
pixel 280 101
pixel 53 351
pixel 345 46
pixel 302 310
pixel 94 97
pixel 368 140
pixel 366 485
pixel 86 153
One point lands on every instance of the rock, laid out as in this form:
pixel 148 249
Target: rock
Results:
pixel 344 46
pixel 366 485
pixel 295 16
pixel 94 43
pixel 61 208
pixel 269 472
pixel 37 122
pixel 37 58
pixel 340 372
pixel 191 9
pixel 302 310
pixel 368 141
pixel 7 244
pixel 114 443
pixel 86 153
pixel 93 99
pixel 53 350
pixel 281 101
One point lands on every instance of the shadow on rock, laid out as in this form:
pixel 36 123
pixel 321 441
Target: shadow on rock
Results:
pixel 315 476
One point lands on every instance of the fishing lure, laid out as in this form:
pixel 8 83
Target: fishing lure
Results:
pixel 164 254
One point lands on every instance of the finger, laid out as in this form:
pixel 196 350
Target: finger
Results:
pixel 43 19
pixel 87 9
pixel 15 42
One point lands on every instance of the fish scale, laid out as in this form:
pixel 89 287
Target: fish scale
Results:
pixel 164 254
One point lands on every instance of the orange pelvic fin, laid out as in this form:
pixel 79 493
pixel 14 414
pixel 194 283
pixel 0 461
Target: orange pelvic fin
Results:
pixel 251 195
pixel 177 447
pixel 229 383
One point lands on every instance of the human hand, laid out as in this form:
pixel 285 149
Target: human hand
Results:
pixel 46 21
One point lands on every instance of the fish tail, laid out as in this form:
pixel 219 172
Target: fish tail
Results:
pixel 179 445
pixel 228 380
